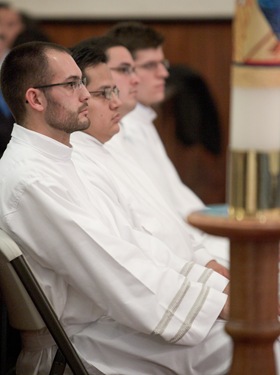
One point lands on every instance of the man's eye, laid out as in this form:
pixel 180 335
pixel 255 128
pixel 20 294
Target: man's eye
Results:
pixel 151 65
pixel 73 85
pixel 124 70
pixel 101 94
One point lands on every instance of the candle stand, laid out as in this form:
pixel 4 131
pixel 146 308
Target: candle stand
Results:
pixel 253 323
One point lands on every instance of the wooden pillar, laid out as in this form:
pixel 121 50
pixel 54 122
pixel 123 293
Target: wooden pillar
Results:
pixel 253 323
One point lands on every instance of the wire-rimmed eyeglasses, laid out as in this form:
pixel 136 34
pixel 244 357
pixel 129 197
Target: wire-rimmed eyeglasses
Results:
pixel 126 70
pixel 106 93
pixel 153 65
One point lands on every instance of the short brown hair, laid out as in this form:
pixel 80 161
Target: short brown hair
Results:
pixel 88 54
pixel 136 36
pixel 25 66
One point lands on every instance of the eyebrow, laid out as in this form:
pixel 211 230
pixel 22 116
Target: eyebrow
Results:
pixel 104 87
pixel 72 78
pixel 125 64
pixel 152 60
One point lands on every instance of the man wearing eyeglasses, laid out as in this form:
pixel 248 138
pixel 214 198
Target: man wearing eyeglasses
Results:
pixel 131 187
pixel 142 139
pixel 123 182
pixel 116 289
pixel 139 137
pixel 122 67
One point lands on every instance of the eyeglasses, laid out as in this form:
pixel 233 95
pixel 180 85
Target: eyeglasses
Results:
pixel 153 65
pixel 106 93
pixel 74 85
pixel 126 70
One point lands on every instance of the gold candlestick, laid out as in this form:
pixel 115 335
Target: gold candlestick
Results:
pixel 254 185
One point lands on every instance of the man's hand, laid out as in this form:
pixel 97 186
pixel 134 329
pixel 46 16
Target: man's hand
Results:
pixel 215 266
pixel 225 311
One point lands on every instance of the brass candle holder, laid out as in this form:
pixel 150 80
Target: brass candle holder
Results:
pixel 254 185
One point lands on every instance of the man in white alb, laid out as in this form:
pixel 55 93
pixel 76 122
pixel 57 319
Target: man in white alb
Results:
pixel 122 67
pixel 124 184
pixel 129 304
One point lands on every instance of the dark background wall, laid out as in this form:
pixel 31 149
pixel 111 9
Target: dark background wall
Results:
pixel 204 45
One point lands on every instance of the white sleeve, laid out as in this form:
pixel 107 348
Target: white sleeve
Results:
pixel 146 286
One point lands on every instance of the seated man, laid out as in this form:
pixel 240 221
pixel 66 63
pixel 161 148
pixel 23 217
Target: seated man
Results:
pixel 119 176
pixel 128 302
pixel 122 67
pixel 139 136
pixel 122 181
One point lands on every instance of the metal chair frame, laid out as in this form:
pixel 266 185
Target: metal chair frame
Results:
pixel 28 307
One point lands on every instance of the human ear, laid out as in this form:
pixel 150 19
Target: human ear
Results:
pixel 35 98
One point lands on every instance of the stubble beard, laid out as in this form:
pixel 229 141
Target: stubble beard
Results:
pixel 60 118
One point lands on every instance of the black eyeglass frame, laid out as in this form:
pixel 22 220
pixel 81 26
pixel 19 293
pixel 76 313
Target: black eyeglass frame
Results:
pixel 78 84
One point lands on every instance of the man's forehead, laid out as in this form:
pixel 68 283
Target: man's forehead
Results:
pixel 149 54
pixel 61 63
pixel 55 57
pixel 7 14
pixel 119 54
pixel 98 74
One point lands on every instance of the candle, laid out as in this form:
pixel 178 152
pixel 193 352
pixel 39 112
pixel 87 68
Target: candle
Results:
pixel 254 173
pixel 255 119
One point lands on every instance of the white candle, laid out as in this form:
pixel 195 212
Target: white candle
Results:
pixel 254 173
pixel 255 119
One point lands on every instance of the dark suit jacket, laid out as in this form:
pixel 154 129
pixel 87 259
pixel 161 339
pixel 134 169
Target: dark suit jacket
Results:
pixel 6 126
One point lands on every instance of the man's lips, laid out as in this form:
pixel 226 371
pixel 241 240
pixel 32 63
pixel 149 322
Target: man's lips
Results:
pixel 160 86
pixel 84 110
pixel 116 118
pixel 133 92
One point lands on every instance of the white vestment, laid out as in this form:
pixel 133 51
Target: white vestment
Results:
pixel 130 305
pixel 139 139
pixel 127 185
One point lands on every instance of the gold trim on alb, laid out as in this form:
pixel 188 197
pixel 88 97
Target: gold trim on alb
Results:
pixel 254 184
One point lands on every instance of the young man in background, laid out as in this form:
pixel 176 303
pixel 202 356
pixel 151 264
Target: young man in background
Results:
pixel 139 136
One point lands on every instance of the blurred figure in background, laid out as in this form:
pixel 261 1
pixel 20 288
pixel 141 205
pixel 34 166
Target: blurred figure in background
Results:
pixel 31 32
pixel 139 137
pixel 11 25
pixel 15 28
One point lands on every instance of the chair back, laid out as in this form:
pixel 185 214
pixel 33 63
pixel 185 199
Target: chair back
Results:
pixel 22 312
pixel 28 307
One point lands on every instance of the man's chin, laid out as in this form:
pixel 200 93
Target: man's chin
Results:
pixel 157 97
pixel 83 125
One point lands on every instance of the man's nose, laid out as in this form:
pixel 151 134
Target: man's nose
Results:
pixel 85 95
pixel 162 70
pixel 115 102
